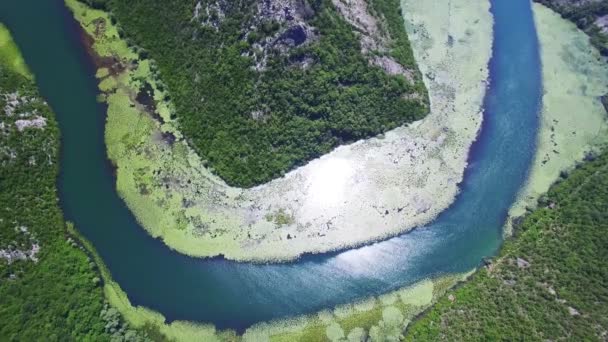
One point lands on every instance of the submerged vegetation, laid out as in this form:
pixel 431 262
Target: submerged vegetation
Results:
pixel 261 87
pixel 589 16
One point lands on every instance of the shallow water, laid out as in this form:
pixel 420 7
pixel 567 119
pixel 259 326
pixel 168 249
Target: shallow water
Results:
pixel 236 295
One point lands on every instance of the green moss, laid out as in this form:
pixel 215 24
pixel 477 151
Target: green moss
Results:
pixel 9 54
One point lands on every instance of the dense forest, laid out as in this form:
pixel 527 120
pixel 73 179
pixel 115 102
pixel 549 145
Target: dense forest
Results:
pixel 589 16
pixel 549 281
pixel 261 87
pixel 50 290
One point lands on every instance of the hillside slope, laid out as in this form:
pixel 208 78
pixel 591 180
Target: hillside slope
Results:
pixel 261 87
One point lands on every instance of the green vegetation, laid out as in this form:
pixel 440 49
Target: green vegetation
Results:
pixel 255 105
pixel 49 288
pixel 585 15
pixel 9 54
pixel 381 318
pixel 549 280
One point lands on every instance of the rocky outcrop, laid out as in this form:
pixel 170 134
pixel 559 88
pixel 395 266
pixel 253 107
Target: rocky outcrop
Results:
pixel 24 250
pixel 373 35
pixel 281 25
pixel 36 122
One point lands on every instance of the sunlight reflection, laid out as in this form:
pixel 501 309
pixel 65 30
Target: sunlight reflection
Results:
pixel 328 181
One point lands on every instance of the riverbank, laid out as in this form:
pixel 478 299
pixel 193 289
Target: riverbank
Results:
pixel 540 271
pixel 50 290
pixel 547 282
pixel 378 317
pixel 573 119
pixel 329 204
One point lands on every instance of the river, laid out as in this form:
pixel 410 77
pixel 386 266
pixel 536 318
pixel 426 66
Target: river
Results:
pixel 237 295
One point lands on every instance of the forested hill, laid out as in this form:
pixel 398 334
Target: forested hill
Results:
pixel 589 16
pixel 261 87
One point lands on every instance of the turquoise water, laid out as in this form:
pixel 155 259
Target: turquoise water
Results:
pixel 236 295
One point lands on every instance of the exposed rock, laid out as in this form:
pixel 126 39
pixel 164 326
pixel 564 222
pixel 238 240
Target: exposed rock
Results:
pixel 391 67
pixel 289 28
pixel 13 101
pixel 210 15
pixel 259 115
pixel 522 263
pixel 573 312
pixel 11 255
pixel 357 14
pixel 37 122
pixel 294 36
pixel 373 35
pixel 451 298
pixel 602 23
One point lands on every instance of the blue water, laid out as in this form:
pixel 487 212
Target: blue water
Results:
pixel 236 295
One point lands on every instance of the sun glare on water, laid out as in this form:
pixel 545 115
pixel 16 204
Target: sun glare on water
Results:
pixel 329 181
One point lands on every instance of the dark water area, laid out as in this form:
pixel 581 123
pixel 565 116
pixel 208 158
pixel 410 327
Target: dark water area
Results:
pixel 237 295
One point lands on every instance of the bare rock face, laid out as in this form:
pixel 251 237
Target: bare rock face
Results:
pixel 602 23
pixel 573 312
pixel 357 14
pixel 277 27
pixel 373 35
pixel 285 10
pixel 211 14
pixel 522 263
pixel 21 251
pixel 37 122
pixel 391 67
pixel 285 24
